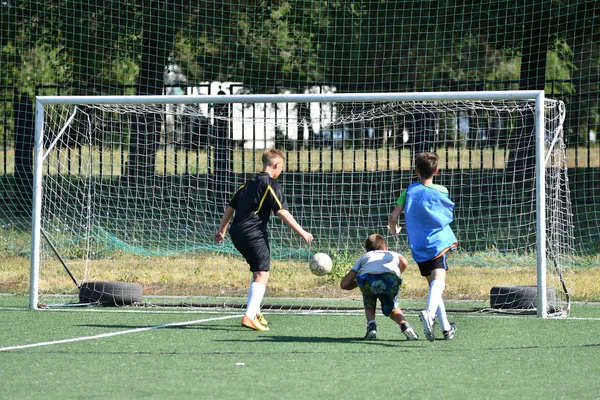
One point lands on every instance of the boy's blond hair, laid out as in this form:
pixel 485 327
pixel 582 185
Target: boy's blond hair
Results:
pixel 426 164
pixel 375 242
pixel 270 155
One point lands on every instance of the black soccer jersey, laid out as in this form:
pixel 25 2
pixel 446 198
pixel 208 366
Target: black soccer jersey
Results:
pixel 253 203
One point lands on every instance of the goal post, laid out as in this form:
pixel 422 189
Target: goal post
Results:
pixel 132 187
pixel 540 204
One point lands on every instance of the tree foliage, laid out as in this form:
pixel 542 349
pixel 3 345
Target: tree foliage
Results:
pixel 269 46
pixel 355 45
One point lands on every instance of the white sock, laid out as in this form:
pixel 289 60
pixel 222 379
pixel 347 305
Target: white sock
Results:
pixel 255 296
pixel 441 314
pixel 434 299
pixel 434 296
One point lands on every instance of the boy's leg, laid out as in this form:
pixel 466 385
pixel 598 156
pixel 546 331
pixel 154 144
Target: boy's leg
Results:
pixel 370 314
pixel 371 325
pixel 257 255
pixel 389 304
pixel 255 297
pixel 397 316
pixel 405 327
pixel 437 284
pixel 448 328
pixel 435 303
pixel 442 316
pixel 426 317
pixel 256 293
pixel 369 303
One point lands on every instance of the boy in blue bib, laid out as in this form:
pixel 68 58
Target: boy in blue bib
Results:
pixel 428 212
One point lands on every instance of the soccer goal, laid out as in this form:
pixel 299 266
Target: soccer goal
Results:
pixel 129 190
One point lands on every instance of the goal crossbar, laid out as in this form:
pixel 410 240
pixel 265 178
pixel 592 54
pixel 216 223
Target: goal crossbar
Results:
pixel 296 98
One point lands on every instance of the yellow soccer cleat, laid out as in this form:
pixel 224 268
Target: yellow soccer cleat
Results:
pixel 261 318
pixel 253 324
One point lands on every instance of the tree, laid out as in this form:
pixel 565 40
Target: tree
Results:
pixel 157 45
pixel 534 54
pixel 579 25
pixel 355 45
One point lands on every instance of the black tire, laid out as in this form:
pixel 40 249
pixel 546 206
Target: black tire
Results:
pixel 110 293
pixel 519 297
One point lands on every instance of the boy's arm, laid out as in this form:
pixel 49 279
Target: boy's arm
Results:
pixel 291 222
pixel 403 263
pixel 220 235
pixel 393 220
pixel 349 281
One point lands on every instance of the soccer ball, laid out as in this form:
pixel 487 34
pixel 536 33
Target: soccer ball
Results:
pixel 320 264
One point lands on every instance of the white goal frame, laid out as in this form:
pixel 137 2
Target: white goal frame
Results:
pixel 530 95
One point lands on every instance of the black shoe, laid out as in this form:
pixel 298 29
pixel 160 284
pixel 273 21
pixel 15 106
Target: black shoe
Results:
pixel 371 331
pixel 449 334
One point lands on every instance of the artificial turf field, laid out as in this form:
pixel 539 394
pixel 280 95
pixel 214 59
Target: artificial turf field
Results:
pixel 146 353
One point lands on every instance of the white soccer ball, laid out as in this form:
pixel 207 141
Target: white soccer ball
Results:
pixel 320 264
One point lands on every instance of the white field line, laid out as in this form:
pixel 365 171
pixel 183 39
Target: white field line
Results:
pixel 105 335
pixel 141 310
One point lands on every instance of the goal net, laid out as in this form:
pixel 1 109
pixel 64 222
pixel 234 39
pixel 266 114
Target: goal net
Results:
pixel 129 192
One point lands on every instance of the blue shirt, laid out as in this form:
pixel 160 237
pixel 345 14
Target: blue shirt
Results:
pixel 428 213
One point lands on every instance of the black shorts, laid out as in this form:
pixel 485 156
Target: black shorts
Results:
pixel 426 267
pixel 256 252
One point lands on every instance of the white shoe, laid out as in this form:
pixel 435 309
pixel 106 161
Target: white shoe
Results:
pixel 410 333
pixel 428 322
pixel 449 334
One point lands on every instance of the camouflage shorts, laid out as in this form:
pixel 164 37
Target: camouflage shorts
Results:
pixel 384 287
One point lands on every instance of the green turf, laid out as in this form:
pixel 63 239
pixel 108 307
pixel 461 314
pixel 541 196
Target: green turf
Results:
pixel 302 357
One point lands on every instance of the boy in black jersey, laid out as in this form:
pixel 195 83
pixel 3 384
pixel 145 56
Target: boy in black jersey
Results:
pixel 251 207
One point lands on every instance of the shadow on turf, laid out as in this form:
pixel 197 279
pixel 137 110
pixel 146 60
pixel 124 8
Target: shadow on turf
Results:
pixel 266 336
pixel 321 339
pixel 191 326
pixel 315 339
